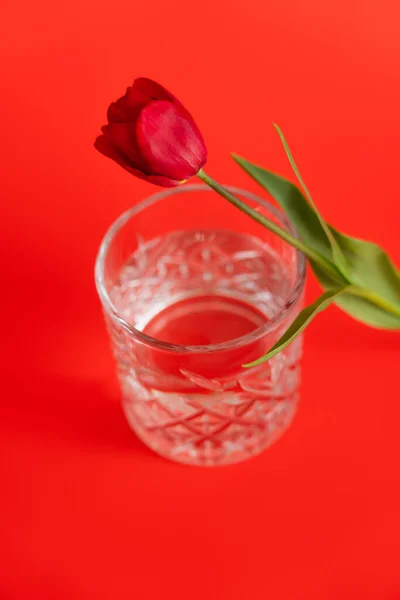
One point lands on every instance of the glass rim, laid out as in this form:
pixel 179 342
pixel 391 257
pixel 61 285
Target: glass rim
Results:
pixel 269 326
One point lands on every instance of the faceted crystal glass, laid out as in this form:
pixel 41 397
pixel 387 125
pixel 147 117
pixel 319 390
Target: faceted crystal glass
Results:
pixel 192 289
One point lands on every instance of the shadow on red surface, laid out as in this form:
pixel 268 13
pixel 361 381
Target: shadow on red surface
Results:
pixel 66 409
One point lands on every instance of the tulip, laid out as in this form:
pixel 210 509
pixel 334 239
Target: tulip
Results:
pixel 151 135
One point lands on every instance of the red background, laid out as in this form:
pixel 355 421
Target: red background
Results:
pixel 86 511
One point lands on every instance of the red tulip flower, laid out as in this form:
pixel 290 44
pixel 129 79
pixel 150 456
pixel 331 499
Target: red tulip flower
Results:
pixel 151 135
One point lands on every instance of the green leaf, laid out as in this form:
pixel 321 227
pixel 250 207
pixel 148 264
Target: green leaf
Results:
pixel 301 322
pixel 368 265
pixel 294 205
pixel 337 254
pixel 358 307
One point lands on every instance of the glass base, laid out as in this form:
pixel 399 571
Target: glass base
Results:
pixel 218 428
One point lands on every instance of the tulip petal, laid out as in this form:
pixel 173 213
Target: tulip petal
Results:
pixel 122 136
pixel 162 181
pixel 154 179
pixel 142 92
pixel 102 145
pixel 153 90
pixel 170 141
pixel 127 108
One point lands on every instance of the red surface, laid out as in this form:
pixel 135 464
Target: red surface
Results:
pixel 85 510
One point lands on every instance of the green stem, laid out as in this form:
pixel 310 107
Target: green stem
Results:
pixel 325 264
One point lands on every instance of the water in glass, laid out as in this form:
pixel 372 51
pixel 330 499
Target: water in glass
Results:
pixel 199 290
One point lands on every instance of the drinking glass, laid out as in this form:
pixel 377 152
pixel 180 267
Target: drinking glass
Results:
pixel 193 289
